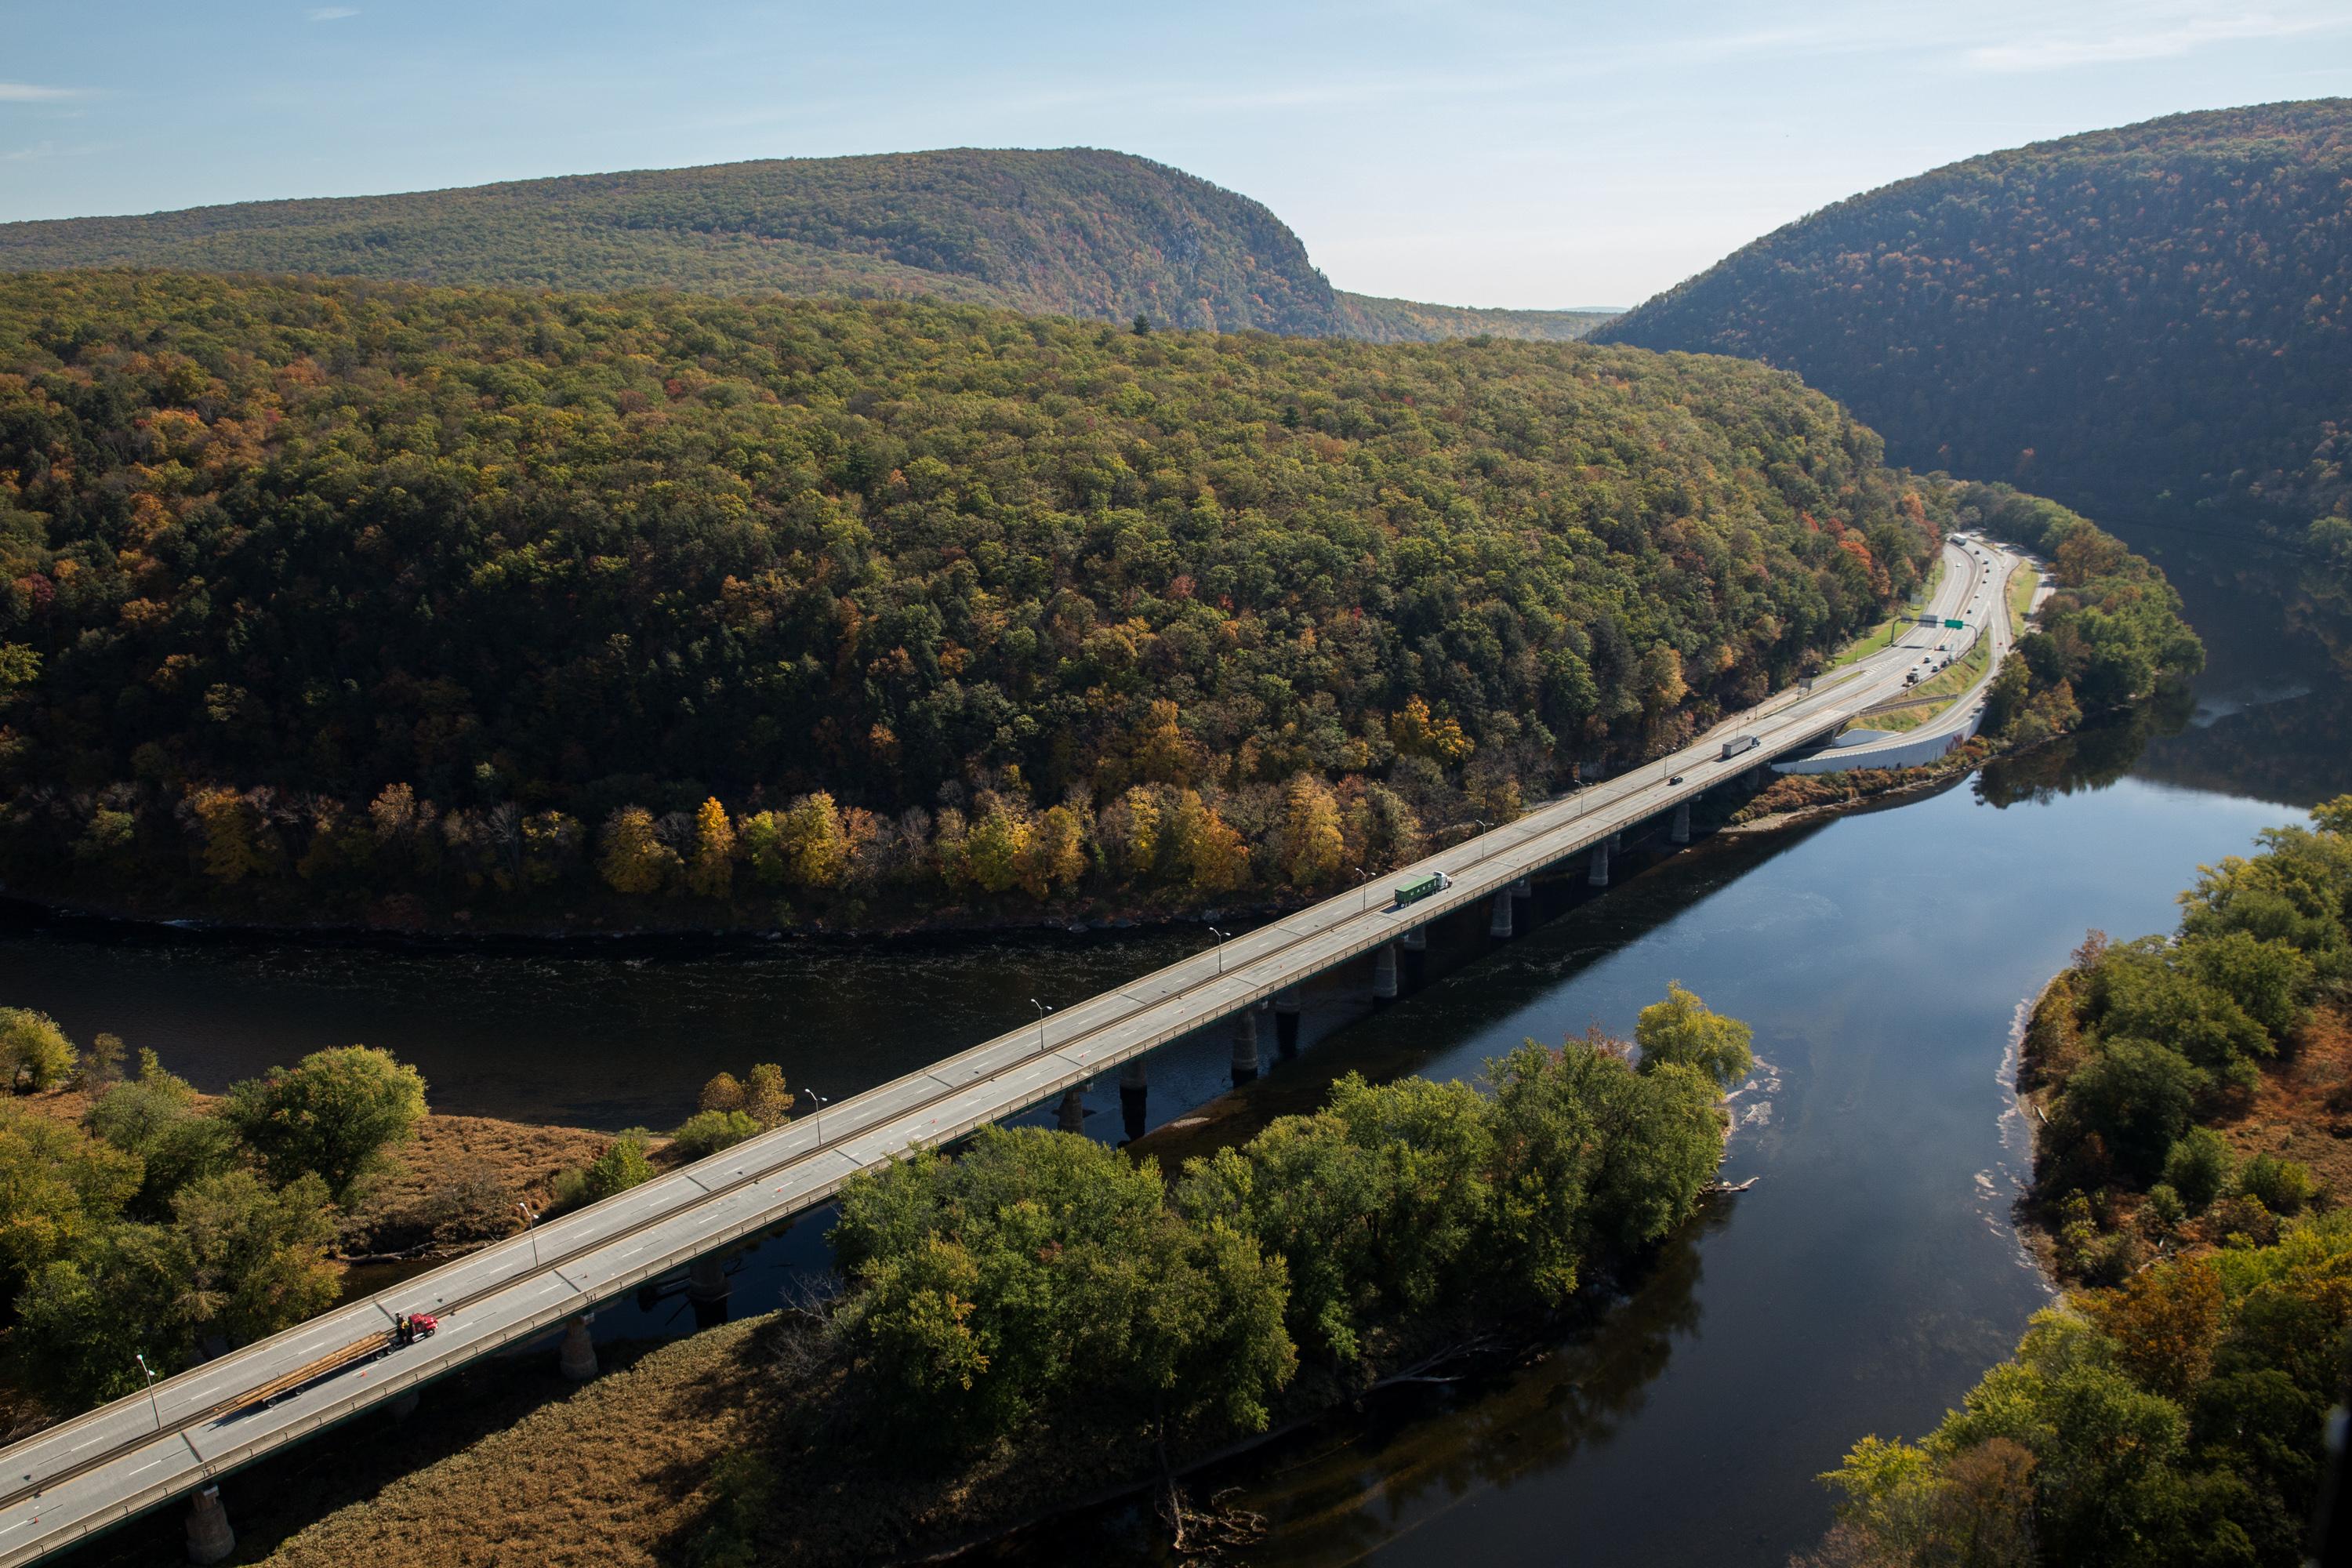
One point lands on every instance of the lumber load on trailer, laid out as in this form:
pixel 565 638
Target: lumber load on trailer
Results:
pixel 327 1366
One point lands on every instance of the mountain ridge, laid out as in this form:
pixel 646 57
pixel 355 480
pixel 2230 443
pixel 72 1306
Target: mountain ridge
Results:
pixel 2145 318
pixel 1072 231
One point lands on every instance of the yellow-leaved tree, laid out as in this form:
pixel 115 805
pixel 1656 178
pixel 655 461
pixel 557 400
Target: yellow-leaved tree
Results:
pixel 229 820
pixel 711 872
pixel 635 861
pixel 1416 734
pixel 994 847
pixel 1310 834
pixel 1220 856
pixel 1056 856
pixel 1139 848
pixel 814 850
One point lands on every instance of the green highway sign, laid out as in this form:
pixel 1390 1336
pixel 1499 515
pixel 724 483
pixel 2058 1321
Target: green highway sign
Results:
pixel 1955 626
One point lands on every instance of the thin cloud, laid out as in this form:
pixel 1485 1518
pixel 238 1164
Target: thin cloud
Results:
pixel 51 149
pixel 26 92
pixel 330 13
pixel 2147 38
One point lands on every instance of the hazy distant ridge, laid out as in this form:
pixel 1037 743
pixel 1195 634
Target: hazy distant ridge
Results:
pixel 1077 232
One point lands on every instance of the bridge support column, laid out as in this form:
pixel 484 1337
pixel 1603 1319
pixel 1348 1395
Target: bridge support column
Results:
pixel 1133 1083
pixel 1500 923
pixel 1616 843
pixel 1286 1007
pixel 1417 940
pixel 1072 1115
pixel 579 1359
pixel 1244 1046
pixel 209 1537
pixel 1524 887
pixel 1681 835
pixel 1598 876
pixel 1384 972
pixel 707 1289
pixel 404 1407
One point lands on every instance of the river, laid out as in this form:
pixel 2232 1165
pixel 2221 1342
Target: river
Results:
pixel 1883 958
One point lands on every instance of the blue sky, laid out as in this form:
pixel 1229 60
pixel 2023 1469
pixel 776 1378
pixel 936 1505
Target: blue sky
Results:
pixel 1466 153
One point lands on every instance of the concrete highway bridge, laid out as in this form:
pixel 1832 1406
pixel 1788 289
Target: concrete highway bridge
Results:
pixel 175 1440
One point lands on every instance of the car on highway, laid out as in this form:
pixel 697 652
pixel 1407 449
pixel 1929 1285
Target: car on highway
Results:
pixel 1675 780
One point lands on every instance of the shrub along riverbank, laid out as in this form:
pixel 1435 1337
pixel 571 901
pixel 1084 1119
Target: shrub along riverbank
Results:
pixel 2192 1096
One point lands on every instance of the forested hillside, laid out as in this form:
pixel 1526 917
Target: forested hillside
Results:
pixel 2151 321
pixel 1076 232
pixel 332 591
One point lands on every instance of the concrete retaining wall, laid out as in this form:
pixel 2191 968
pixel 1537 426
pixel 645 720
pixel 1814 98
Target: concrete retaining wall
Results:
pixel 1899 753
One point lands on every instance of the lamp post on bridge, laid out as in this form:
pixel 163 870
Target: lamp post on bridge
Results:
pixel 531 1228
pixel 1484 828
pixel 817 1117
pixel 1221 947
pixel 150 1388
pixel 1042 1011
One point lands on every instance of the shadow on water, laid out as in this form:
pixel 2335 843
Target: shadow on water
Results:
pixel 1358 1479
pixel 1366 1478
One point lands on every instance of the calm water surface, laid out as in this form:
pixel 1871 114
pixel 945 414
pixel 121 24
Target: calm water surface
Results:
pixel 1865 1281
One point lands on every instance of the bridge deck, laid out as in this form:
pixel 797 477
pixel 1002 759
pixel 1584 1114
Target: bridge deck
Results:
pixel 98 1470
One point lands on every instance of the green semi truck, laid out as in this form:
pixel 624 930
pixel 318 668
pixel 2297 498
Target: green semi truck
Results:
pixel 1421 888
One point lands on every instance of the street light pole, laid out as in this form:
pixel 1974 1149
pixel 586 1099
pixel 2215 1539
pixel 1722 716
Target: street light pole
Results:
pixel 1221 948
pixel 1042 1011
pixel 1486 827
pixel 150 1388
pixel 530 1227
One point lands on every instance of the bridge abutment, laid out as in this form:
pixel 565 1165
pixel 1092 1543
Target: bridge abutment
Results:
pixel 210 1539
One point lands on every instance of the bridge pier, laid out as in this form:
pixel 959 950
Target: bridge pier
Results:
pixel 1524 887
pixel 1133 1083
pixel 1286 1005
pixel 1384 972
pixel 578 1361
pixel 1598 876
pixel 404 1407
pixel 1616 843
pixel 707 1289
pixel 1072 1115
pixel 1417 940
pixel 1499 924
pixel 1681 835
pixel 209 1537
pixel 1244 1046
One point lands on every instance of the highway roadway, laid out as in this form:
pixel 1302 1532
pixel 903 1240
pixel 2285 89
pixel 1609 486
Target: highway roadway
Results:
pixel 1987 611
pixel 186 1431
